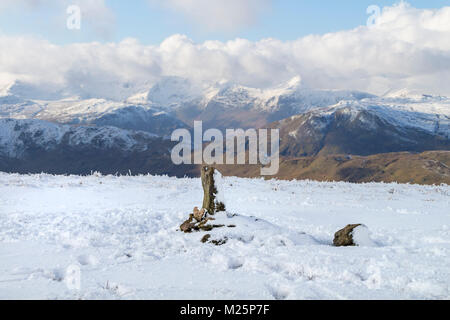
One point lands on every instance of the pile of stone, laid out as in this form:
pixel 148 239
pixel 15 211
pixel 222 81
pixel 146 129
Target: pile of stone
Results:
pixel 199 221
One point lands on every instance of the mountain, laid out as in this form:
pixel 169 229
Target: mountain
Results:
pixel 44 129
pixel 364 128
pixel 401 138
pixel 33 146
pixel 172 92
pixel 99 112
pixel 112 90
pixel 169 104
pixel 228 105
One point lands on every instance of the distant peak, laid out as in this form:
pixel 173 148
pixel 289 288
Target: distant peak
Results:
pixel 172 90
pixel 294 82
pixel 406 94
pixel 6 88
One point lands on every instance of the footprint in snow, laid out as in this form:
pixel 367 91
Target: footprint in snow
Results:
pixel 235 263
pixel 279 292
pixel 87 260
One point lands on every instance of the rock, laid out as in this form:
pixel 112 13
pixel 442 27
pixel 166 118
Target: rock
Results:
pixel 220 241
pixel 206 238
pixel 199 215
pixel 210 202
pixel 344 237
pixel 188 225
pixel 209 227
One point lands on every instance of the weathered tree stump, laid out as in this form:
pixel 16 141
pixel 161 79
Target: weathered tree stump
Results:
pixel 210 202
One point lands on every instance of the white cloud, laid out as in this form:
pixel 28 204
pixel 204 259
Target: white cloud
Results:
pixel 408 48
pixel 218 15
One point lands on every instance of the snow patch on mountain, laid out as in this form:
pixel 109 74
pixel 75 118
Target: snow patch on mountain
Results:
pixel 172 91
pixel 418 115
pixel 289 94
pixel 18 135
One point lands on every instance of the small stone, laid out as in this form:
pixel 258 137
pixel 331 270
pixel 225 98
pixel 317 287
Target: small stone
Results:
pixel 344 237
pixel 206 238
pixel 187 226
pixel 206 228
pixel 220 241
pixel 199 215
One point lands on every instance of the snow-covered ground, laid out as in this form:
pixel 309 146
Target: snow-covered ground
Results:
pixel 118 236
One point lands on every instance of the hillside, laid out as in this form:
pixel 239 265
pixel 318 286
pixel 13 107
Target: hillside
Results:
pixel 431 167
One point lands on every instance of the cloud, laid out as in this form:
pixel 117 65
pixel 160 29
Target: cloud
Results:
pixel 407 48
pixel 218 15
pixel 96 15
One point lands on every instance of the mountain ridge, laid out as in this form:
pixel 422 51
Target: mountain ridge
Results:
pixel 312 123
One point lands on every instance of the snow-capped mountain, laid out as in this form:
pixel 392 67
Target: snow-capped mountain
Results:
pixel 126 108
pixel 108 89
pixel 41 146
pixel 99 112
pixel 311 121
pixel 173 100
pixel 169 104
pixel 171 92
pixel 19 136
pixel 175 92
pixel 366 127
pixel 227 105
pixel 290 95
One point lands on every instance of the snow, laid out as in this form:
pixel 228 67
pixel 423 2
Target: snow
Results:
pixel 47 135
pixel 110 237
pixel 77 111
pixel 293 134
pixel 432 117
pixel 404 108
pixel 218 184
pixel 361 237
pixel 301 99
pixel 171 91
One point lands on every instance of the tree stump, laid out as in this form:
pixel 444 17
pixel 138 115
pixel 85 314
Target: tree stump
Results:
pixel 210 191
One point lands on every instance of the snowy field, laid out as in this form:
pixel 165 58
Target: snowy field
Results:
pixel 118 236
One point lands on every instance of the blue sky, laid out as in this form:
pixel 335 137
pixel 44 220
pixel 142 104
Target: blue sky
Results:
pixel 151 22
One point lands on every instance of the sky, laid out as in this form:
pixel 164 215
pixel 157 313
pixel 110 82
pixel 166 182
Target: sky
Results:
pixel 152 21
pixel 326 44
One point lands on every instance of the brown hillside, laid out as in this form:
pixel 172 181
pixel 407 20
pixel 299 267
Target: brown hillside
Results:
pixel 431 167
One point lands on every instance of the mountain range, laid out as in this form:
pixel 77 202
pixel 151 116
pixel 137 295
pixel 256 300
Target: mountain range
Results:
pixel 41 129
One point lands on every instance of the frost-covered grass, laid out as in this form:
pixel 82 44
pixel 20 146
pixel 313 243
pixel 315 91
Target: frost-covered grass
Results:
pixel 121 232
